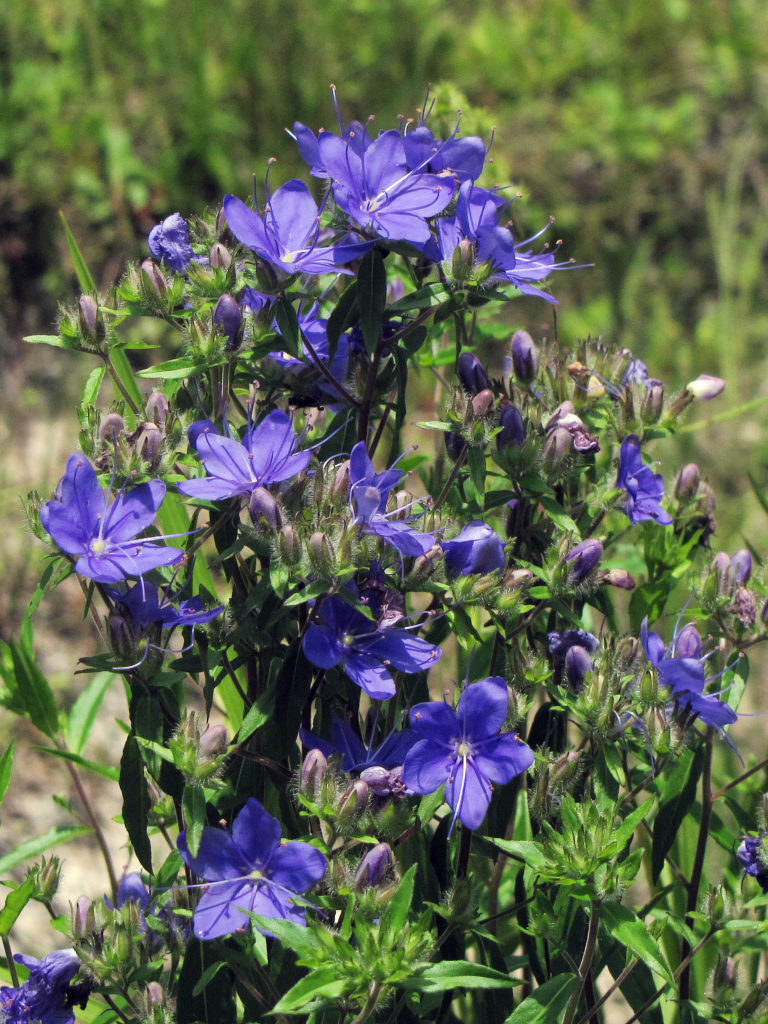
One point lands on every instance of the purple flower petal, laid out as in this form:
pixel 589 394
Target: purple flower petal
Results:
pixel 483 707
pixel 426 767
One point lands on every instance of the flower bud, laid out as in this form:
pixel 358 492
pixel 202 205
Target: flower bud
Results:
pixel 354 800
pixel 512 428
pixel 721 569
pixel 740 568
pixel 577 664
pixel 339 486
pixel 313 772
pixel 482 403
pixel 220 256
pixel 288 545
pixel 744 606
pixel 557 446
pixel 47 875
pixel 212 742
pixel 725 974
pixel 525 356
pixel 653 402
pixel 158 408
pixel 620 578
pixel 148 443
pixel 228 320
pixel 462 261
pixel 321 553
pixel 688 643
pixel 121 636
pixel 455 445
pixel 112 426
pixel 517 578
pixel 563 771
pixel 705 387
pixel 687 482
pixel 83 919
pixel 153 280
pixel 262 506
pixel 377 780
pixel 471 374
pixel 582 560
pixel 376 865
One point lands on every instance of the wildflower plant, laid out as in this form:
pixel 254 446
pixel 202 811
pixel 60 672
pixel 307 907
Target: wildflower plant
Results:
pixel 296 576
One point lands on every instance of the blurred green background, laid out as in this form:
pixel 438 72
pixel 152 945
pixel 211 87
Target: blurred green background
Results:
pixel 641 125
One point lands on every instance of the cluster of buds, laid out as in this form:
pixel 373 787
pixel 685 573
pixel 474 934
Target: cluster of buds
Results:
pixel 199 753
pixel 728 582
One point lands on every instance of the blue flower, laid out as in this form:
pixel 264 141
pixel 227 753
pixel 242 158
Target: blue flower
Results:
pixel 368 495
pixel 249 871
pixel 265 456
pixel 684 676
pixel 464 749
pixel 751 856
pixel 102 536
pixel 644 488
pixel 44 996
pixel 169 243
pixel 142 605
pixel 477 549
pixel 461 157
pixel 355 756
pixel 344 636
pixel 287 234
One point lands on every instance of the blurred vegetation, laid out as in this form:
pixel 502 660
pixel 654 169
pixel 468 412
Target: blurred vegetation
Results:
pixel 641 125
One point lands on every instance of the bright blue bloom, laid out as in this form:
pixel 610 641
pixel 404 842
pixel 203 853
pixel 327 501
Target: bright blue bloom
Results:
pixel 44 995
pixel 477 549
pixel 368 495
pixel 265 456
pixel 355 756
pixel 287 234
pixel 461 157
pixel 751 856
pixel 169 243
pixel 103 536
pixel 142 605
pixel 684 676
pixel 249 871
pixel 302 374
pixel 373 185
pixel 343 636
pixel 464 749
pixel 644 488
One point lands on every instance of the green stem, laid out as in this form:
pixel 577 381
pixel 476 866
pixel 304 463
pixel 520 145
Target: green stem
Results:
pixel 370 1004
pixel 698 861
pixel 11 962
pixel 740 779
pixel 120 386
pixel 450 481
pixel 584 966
pixel 100 837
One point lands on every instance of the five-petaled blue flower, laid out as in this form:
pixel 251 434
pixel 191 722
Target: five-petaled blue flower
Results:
pixel 368 495
pixel 344 636
pixel 44 995
pixel 477 549
pixel 465 750
pixel 265 456
pixel 103 536
pixel 685 676
pixel 249 871
pixel 644 488
pixel 287 234
pixel 169 243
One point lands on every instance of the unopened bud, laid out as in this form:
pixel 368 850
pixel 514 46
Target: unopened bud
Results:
pixel 154 995
pixel 158 408
pixel 577 664
pixel 455 445
pixel 153 279
pixel 375 866
pixel 564 769
pixel 557 446
pixel 148 443
pixel 47 876
pixel 220 256
pixel 112 426
pixel 462 261
pixel 121 636
pixel 262 506
pixel 512 428
pixel 89 318
pixel 740 568
pixel 313 772
pixel 288 545
pixel 321 553
pixel 471 374
pixel 620 578
pixel 725 973
pixel 212 742
pixel 582 560
pixel 339 487
pixel 517 578
pixel 525 356
pixel 721 568
pixel 83 919
pixel 688 643
pixel 353 800
pixel 653 402
pixel 482 403
pixel 228 320
pixel 564 409
pixel 687 482
pixel 705 387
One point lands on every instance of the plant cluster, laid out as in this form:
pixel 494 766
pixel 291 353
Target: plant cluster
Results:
pixel 330 821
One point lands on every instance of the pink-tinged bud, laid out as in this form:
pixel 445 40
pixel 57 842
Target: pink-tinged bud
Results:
pixel 313 772
pixel 148 443
pixel 482 403
pixel 354 800
pixel 212 742
pixel 153 279
pixel 424 565
pixel 653 402
pixel 687 482
pixel 525 356
pixel 517 578
pixel 339 488
pixel 154 995
pixel 377 779
pixel 374 868
pixel 721 564
pixel 740 568
pixel 471 374
pixel 228 320
pixel 564 769
pixel 83 919
pixel 288 545
pixel 91 322
pixel 688 643
pixel 564 409
pixel 221 221
pixel 744 606
pixel 705 387
pixel 220 256
pixel 557 446
pixel 403 500
pixel 321 553
pixel 112 426
pixel 121 637
pixel 583 559
pixel 158 408
pixel 620 578
pixel 577 664
pixel 263 507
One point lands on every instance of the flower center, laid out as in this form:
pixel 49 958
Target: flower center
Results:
pixel 463 749
pixel 348 639
pixel 98 546
pixel 256 875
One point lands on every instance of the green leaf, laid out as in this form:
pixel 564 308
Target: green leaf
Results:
pixel 295 936
pixel 35 692
pixel 93 385
pixel 288 322
pixel 342 317
pixel 209 1002
pixel 322 982
pixel 625 927
pixel 14 904
pixel 371 297
pixel 84 278
pixel 208 975
pixel 558 515
pixel 193 803
pixel 6 763
pixel 476 461
pixel 431 295
pixel 672 812
pixel 136 802
pixel 545 1005
pixel 626 830
pixel 173 369
pixel 34 847
pixel 104 770
pixel 448 974
pixel 395 916
pixel 255 718
pixel 532 854
pixel 85 709
pixel 49 339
